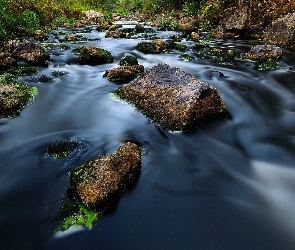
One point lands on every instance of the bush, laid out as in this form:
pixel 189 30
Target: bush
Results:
pixel 30 20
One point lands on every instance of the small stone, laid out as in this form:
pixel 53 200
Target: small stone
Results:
pixel 262 52
pixel 124 73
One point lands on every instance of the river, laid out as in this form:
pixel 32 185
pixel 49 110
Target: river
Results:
pixel 229 184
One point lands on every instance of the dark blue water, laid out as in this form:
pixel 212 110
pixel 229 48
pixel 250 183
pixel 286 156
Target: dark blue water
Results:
pixel 230 184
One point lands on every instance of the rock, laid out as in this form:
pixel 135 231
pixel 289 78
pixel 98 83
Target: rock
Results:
pixel 6 60
pixel 115 34
pixel 194 36
pixel 154 47
pixel 14 96
pixel 27 51
pixel 92 55
pixel 124 73
pixel 39 35
pixel 173 98
pixel 139 28
pixel 281 31
pixel 262 52
pixel 102 26
pixel 128 60
pixel 93 16
pixel 114 27
pixel 100 182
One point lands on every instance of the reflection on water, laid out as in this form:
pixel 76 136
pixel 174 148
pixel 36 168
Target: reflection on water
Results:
pixel 229 184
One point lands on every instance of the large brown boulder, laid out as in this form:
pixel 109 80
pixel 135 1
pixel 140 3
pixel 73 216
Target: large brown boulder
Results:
pixel 99 182
pixel 173 98
pixel 281 31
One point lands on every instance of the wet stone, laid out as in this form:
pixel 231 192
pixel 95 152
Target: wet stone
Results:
pixel 124 73
pixel 100 182
pixel 173 99
pixel 262 52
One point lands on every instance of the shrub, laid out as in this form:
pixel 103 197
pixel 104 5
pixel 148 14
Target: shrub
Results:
pixel 30 20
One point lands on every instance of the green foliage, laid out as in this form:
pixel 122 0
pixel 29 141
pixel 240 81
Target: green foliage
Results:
pixel 191 9
pixel 75 213
pixel 30 20
pixel 175 25
pixel 165 23
pixel 128 60
pixel 269 64
pixel 186 57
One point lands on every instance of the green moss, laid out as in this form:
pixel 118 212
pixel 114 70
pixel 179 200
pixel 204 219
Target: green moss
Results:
pixel 186 57
pixel 22 70
pixel 74 213
pixel 180 47
pixel 128 60
pixel 269 64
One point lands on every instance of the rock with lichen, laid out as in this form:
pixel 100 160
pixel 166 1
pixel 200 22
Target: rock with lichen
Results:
pixel 173 99
pixel 154 47
pixel 99 183
pixel 92 55
pixel 263 52
pixel 124 73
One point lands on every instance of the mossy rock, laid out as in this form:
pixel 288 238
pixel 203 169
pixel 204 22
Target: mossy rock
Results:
pixel 124 73
pixel 173 99
pixel 128 60
pixel 14 96
pixel 154 47
pixel 92 55
pixel 100 182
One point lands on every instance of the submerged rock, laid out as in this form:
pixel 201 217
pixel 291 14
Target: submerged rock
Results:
pixel 263 52
pixel 124 73
pixel 173 98
pixel 100 182
pixel 66 150
pixel 92 55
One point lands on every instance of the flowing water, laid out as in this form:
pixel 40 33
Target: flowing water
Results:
pixel 229 184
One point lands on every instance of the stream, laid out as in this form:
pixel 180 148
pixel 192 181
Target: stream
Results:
pixel 229 184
